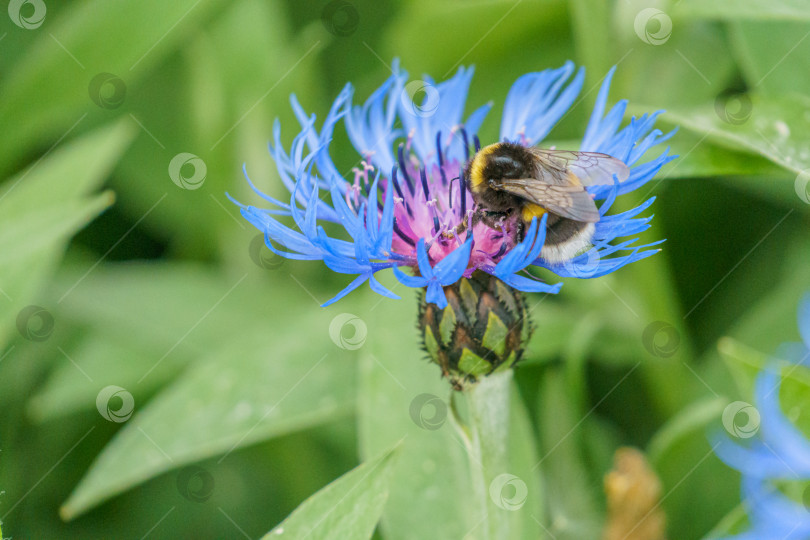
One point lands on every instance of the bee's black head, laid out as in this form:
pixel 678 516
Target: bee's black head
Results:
pixel 497 161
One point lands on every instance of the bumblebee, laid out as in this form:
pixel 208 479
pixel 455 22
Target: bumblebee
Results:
pixel 512 183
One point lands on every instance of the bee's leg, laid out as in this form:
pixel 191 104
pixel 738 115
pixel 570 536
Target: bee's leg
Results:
pixel 477 217
pixel 520 232
pixel 461 227
pixel 493 220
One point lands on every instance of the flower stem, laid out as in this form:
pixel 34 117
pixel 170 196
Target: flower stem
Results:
pixel 487 447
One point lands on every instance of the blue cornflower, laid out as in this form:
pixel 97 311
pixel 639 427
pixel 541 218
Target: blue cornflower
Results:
pixel 408 199
pixel 779 452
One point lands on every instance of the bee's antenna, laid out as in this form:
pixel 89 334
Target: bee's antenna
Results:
pixel 439 148
pixel 408 180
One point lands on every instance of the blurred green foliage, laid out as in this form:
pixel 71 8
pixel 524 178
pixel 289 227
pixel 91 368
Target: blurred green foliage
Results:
pixel 243 404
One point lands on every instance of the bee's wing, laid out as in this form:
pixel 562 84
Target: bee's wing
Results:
pixel 590 168
pixel 568 201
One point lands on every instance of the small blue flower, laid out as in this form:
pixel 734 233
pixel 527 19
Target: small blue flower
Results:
pixel 407 199
pixel 446 272
pixel 779 452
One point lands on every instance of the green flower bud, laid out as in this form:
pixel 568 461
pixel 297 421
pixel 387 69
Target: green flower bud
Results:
pixel 484 328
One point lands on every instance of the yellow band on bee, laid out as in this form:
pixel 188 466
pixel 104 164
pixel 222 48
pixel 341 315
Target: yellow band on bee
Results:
pixel 477 168
pixel 532 210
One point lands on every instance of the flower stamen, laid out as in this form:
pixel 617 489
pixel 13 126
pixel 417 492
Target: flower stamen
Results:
pixel 407 176
pixel 466 143
pixel 402 235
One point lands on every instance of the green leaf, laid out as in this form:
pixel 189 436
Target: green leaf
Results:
pixel 223 112
pixel 91 38
pixel 42 207
pixel 403 396
pixel 774 55
pixel 695 416
pixel 72 170
pixel 166 301
pixel 206 306
pixel 700 158
pixel 593 39
pixel 129 319
pixel 348 508
pixel 776 128
pixel 154 318
pixel 772 320
pixel 601 438
pixel 743 362
pixel 256 387
pixel 776 189
pixel 662 62
pixel 759 10
pixel 589 305
pixel 552 322
pixel 573 511
pixel 72 384
pixel 543 42
pixel 732 523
